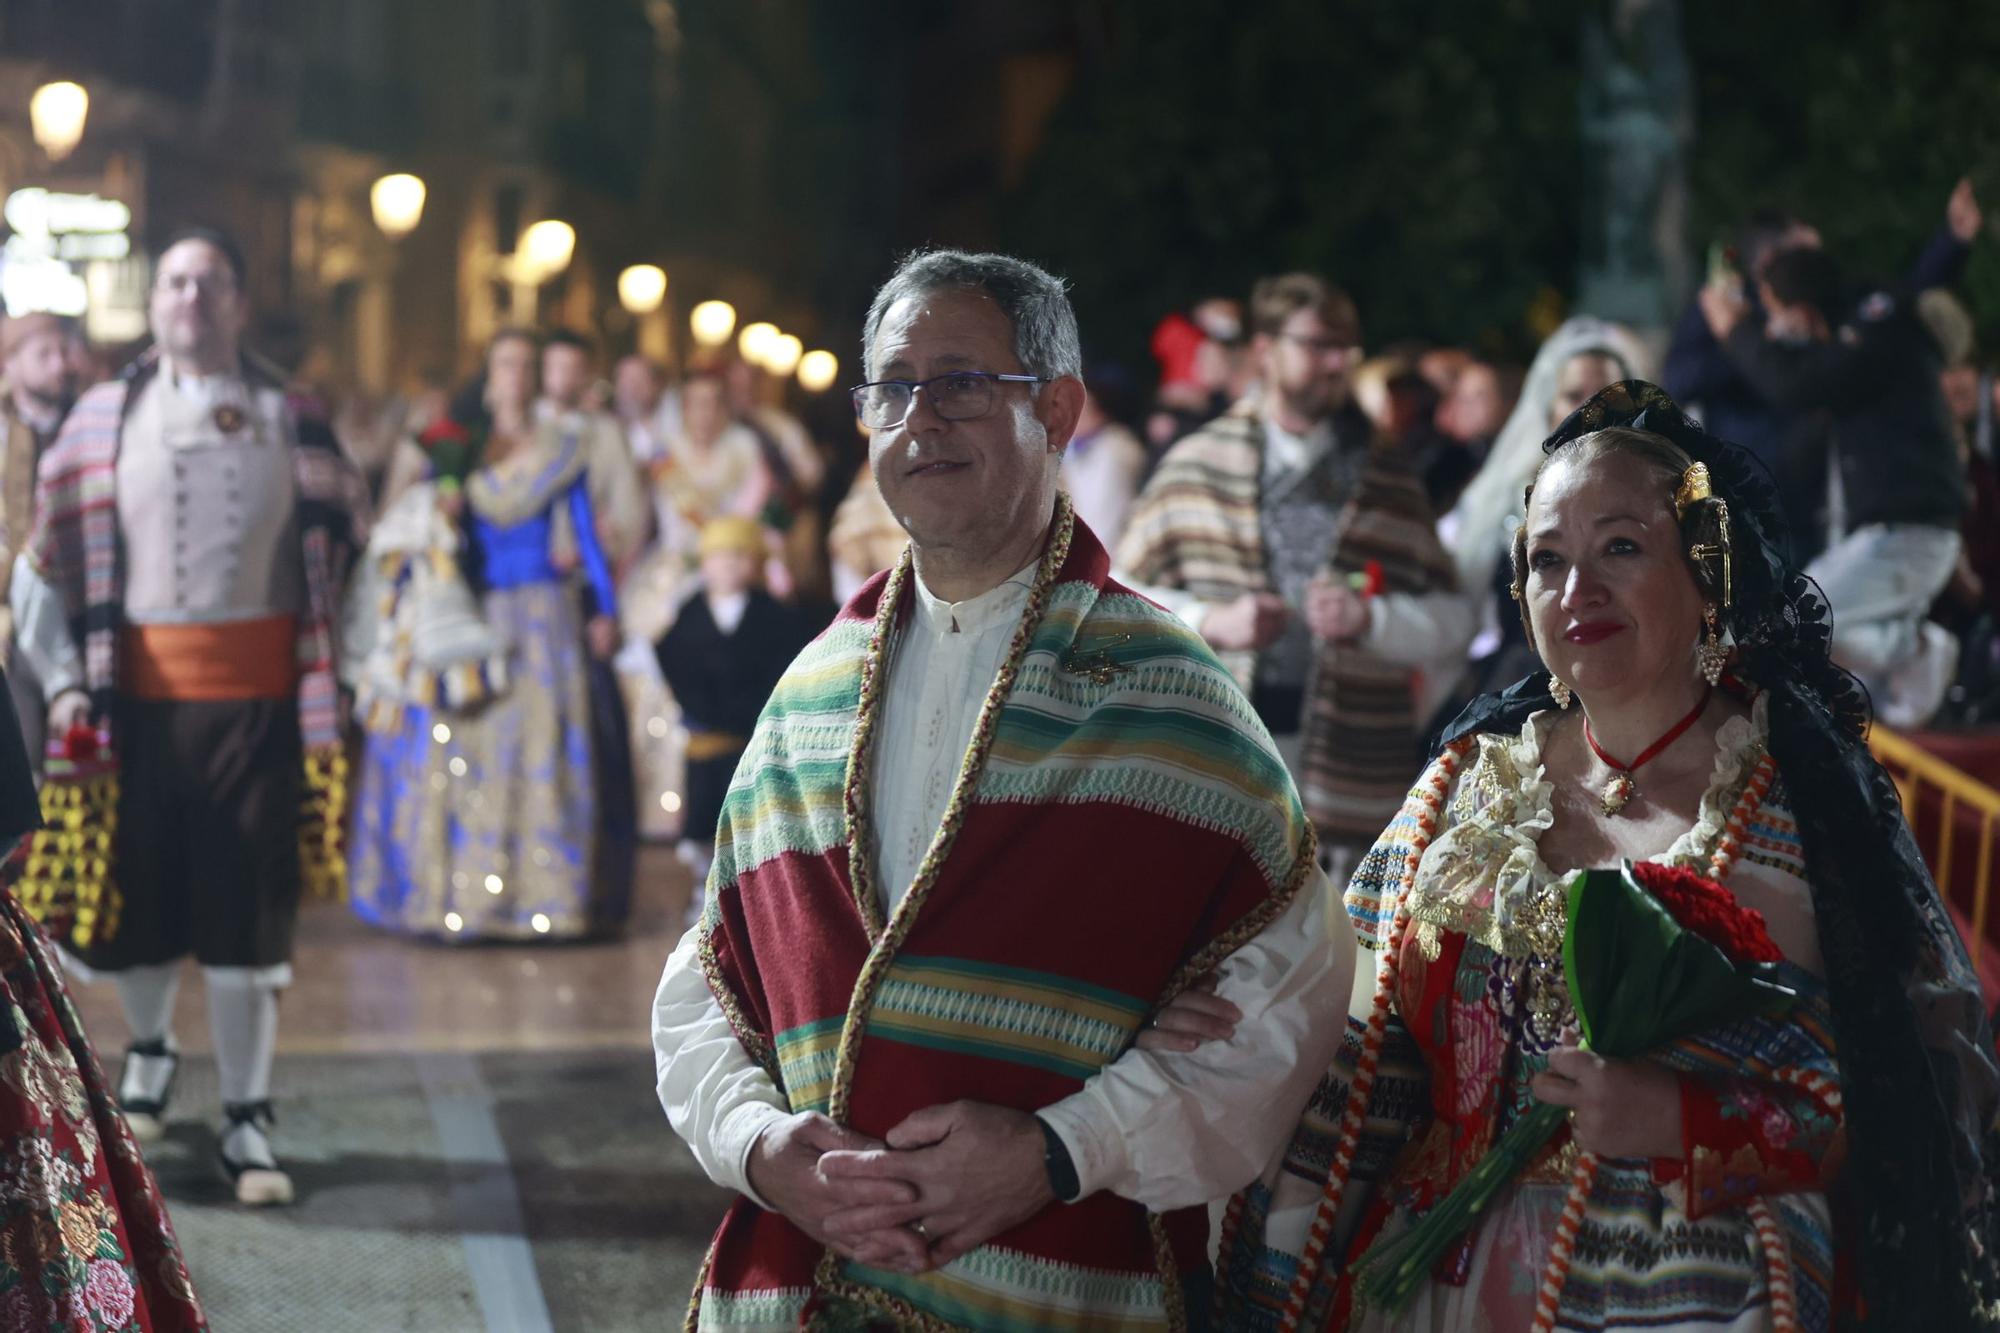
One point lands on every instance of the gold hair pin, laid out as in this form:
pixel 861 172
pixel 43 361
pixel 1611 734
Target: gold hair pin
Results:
pixel 1702 551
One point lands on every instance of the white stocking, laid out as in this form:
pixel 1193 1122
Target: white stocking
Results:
pixel 146 994
pixel 243 1017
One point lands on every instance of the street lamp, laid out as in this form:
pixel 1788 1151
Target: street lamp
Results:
pixel 642 288
pixel 782 355
pixel 398 204
pixel 755 341
pixel 712 322
pixel 57 112
pixel 546 249
pixel 818 371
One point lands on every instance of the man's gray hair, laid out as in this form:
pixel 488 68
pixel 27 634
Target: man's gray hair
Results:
pixel 1032 298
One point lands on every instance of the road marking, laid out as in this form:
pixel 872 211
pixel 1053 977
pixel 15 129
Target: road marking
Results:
pixel 484 1197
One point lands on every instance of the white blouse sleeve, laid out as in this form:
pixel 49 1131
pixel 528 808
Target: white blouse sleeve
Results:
pixel 1170 1130
pixel 718 1099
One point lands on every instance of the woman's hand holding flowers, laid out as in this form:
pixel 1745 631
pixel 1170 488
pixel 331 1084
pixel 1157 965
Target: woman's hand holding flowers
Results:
pixel 1618 1108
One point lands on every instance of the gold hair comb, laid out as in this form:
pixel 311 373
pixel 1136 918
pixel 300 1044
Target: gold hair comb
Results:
pixel 1694 487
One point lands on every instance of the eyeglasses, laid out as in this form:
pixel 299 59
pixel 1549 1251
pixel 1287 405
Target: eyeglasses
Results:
pixel 1321 346
pixel 958 396
pixel 208 284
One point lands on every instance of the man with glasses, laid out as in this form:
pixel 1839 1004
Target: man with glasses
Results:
pixel 178 597
pixel 1305 552
pixel 989 822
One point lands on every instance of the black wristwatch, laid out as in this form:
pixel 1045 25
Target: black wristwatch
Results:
pixel 1056 1161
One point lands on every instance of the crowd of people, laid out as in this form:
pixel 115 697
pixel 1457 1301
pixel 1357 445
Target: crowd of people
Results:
pixel 1302 691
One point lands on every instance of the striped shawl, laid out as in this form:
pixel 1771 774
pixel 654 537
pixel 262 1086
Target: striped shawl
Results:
pixel 76 546
pixel 1121 824
pixel 1198 526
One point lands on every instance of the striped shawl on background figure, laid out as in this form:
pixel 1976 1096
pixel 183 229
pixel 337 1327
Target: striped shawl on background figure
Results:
pixel 1198 526
pixel 76 546
pixel 1120 825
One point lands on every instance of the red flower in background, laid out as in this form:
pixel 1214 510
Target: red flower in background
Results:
pixel 1710 911
pixel 444 431
pixel 80 743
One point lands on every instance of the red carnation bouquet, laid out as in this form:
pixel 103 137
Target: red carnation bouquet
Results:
pixel 1652 953
pixel 453 450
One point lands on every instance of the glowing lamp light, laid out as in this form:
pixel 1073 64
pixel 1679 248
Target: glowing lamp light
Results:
pixel 57 112
pixel 712 322
pixel 642 288
pixel 398 204
pixel 546 249
pixel 783 354
pixel 818 371
pixel 755 341
pixel 540 921
pixel 453 922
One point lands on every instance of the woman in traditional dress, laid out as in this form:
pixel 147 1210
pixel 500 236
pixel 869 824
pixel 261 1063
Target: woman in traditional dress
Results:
pixel 709 467
pixel 84 1236
pixel 1781 1173
pixel 482 792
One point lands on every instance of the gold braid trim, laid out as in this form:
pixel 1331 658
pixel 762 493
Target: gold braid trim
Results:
pixel 740 1021
pixel 323 823
pixel 909 1319
pixel 1171 1294
pixel 66 882
pixel 1207 958
pixel 692 1324
pixel 888 939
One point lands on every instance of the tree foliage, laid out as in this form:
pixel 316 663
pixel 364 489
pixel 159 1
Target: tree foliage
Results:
pixel 1427 156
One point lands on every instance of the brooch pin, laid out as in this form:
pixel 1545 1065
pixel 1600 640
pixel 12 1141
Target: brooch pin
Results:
pixel 229 418
pixel 1097 665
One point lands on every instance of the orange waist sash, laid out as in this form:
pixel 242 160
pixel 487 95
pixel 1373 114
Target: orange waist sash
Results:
pixel 241 659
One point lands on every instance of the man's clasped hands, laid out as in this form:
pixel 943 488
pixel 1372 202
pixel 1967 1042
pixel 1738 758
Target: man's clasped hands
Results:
pixel 946 1180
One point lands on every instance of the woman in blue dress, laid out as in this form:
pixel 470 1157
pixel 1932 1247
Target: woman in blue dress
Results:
pixel 482 795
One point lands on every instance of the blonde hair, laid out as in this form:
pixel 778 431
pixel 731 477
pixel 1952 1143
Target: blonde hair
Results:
pixel 1704 522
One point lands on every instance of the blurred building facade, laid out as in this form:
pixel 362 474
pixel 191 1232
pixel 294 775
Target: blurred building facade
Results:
pixel 773 155
pixel 274 119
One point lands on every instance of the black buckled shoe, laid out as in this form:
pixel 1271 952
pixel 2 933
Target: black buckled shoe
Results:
pixel 246 1157
pixel 145 1085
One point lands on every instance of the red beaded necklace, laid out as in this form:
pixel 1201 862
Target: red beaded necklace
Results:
pixel 1619 791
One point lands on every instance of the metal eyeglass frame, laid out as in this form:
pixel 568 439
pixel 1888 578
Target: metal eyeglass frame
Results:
pixel 996 377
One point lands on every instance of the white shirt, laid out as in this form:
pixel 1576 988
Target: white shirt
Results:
pixel 1165 1130
pixel 727 610
pixel 1288 457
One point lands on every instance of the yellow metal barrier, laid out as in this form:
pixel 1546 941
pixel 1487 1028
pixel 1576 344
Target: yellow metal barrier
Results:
pixel 1913 768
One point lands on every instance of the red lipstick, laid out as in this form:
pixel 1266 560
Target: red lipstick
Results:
pixel 1593 631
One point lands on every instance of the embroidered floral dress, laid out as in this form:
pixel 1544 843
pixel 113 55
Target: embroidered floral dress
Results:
pixel 85 1243
pixel 1476 1004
